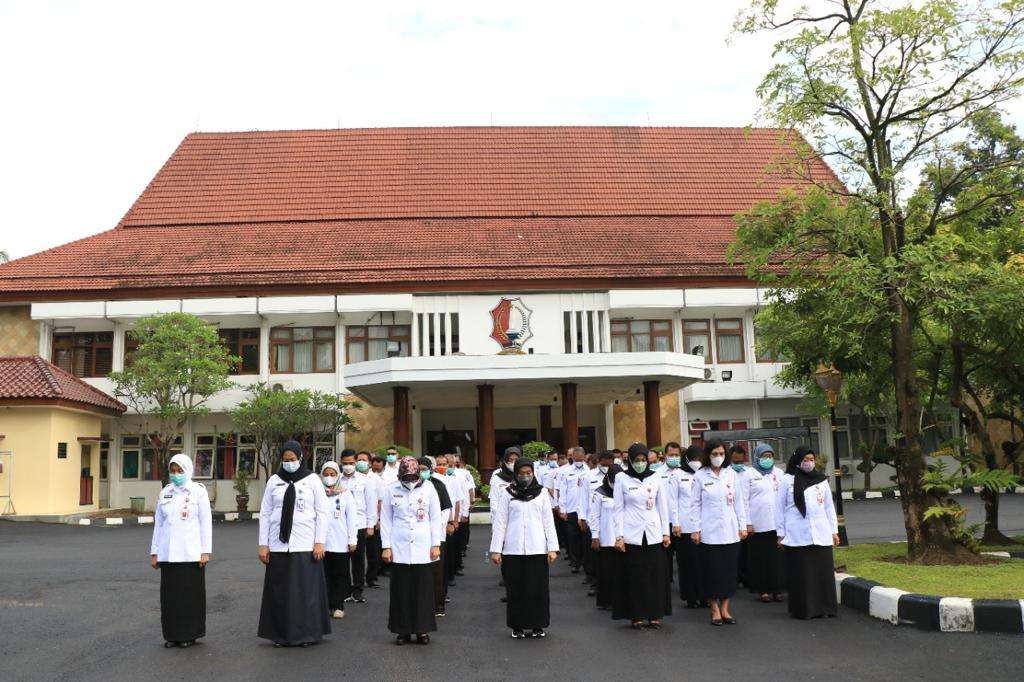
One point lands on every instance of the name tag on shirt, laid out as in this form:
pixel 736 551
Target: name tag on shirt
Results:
pixel 168 496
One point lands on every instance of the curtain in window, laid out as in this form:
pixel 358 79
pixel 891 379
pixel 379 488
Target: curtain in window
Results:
pixel 302 356
pixel 729 349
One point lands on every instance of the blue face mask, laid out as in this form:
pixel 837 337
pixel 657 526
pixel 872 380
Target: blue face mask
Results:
pixel 425 475
pixel 655 466
pixel 639 467
pixel 673 462
pixel 179 479
pixel 290 467
pixel 362 466
pixel 738 468
pixel 392 459
pixel 765 463
pixel 449 472
pixel 553 464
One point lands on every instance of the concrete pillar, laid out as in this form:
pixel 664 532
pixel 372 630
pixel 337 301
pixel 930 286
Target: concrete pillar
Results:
pixel 609 425
pixel 486 456
pixel 652 413
pixel 264 350
pixel 401 416
pixel 570 419
pixel 545 424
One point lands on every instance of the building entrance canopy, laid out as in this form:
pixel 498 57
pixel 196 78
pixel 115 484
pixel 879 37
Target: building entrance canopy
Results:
pixel 521 380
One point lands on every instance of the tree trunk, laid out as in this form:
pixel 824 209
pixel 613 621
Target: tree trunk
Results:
pixel 992 534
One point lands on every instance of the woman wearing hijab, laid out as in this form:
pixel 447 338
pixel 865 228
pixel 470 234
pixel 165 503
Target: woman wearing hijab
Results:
pixel 691 584
pixel 764 558
pixel 642 532
pixel 807 529
pixel 293 530
pixel 342 538
pixel 602 529
pixel 411 535
pixel 523 543
pixel 721 520
pixel 181 547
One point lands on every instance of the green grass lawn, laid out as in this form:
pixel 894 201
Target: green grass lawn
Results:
pixel 1002 579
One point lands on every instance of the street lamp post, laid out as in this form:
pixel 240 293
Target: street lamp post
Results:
pixel 830 380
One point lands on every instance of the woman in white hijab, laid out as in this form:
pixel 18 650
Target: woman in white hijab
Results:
pixel 181 547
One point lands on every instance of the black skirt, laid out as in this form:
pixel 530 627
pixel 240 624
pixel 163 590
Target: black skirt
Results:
pixel 691 583
pixel 526 584
pixel 718 569
pixel 337 570
pixel 609 575
pixel 412 599
pixel 810 577
pixel 182 601
pixel 764 563
pixel 294 609
pixel 642 593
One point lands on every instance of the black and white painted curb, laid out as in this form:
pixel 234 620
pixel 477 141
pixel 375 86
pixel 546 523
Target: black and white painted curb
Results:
pixel 892 494
pixel 946 614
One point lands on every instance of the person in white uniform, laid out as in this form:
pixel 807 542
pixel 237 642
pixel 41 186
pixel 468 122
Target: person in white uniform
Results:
pixel 411 536
pixel 573 489
pixel 364 466
pixel 469 497
pixel 524 543
pixel 365 492
pixel 601 520
pixel 180 549
pixel 764 557
pixel 390 471
pixel 685 524
pixel 342 531
pixel 807 529
pixel 595 477
pixel 503 476
pixel 642 531
pixel 292 535
pixel 721 520
pixel 444 470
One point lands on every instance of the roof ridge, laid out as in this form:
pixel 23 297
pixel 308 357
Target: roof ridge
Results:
pixel 596 126
pixel 46 371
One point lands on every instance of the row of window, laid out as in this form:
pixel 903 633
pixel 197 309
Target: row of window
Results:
pixel 719 340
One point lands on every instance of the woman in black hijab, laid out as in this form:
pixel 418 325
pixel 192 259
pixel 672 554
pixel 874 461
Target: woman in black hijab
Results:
pixel 293 529
pixel 524 543
pixel 601 521
pixel 807 528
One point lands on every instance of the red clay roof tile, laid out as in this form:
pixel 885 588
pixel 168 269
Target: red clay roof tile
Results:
pixel 30 378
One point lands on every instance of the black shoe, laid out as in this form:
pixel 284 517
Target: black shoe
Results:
pixel 717 622
pixel 591 593
pixel 447 600
pixel 538 634
pixel 185 645
pixel 518 634
pixel 170 645
pixel 423 639
pixel 504 600
pixel 440 614
pixel 692 604
pixel 451 583
pixel 575 569
pixel 459 572
pixel 729 621
pixel 403 639
pixel 357 596
pixel 373 586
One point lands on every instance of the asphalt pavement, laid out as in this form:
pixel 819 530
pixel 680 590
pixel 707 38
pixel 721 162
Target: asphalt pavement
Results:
pixel 82 603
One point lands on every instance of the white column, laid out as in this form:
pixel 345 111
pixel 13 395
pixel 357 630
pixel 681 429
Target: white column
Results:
pixel 447 333
pixel 114 466
pixel 755 414
pixel 437 333
pixel 609 425
pixel 264 350
pixel 750 353
pixel 684 419
pixel 572 328
pixel 118 348
pixel 677 332
pixel 46 341
pixel 595 330
pixel 415 351
pixel 339 356
pixel 585 332
pixel 606 332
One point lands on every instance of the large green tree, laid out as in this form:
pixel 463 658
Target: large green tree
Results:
pixel 882 90
pixel 179 364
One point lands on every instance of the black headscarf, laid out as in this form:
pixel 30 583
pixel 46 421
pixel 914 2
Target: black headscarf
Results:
pixel 608 484
pixel 693 452
pixel 503 473
pixel 442 490
pixel 801 479
pixel 525 493
pixel 635 450
pixel 288 506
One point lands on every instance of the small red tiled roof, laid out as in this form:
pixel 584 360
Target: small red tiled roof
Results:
pixel 407 209
pixel 29 379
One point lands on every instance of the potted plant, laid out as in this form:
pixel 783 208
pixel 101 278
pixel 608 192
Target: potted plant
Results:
pixel 241 482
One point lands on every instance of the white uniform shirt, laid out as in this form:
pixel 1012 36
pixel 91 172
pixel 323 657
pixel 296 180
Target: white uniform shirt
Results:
pixel 364 489
pixel 498 486
pixel 797 530
pixel 668 479
pixel 309 518
pixel 389 473
pixel 342 525
pixel 409 522
pixel 641 509
pixel 182 524
pixel 718 507
pixel 762 491
pixel 549 479
pixel 602 518
pixel 468 486
pixel 523 528
pixel 572 488
pixel 454 489
pixel 683 485
pixel 594 480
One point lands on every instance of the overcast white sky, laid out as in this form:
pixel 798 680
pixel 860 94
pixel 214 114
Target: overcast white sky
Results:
pixel 94 96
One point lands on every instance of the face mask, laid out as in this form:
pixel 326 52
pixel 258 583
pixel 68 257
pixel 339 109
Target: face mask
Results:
pixel 673 462
pixel 441 470
pixel 348 469
pixel 807 466
pixel 449 472
pixel 639 467
pixel 362 467
pixel 290 467
pixel 766 463
pixel 603 468
pixel 655 466
pixel 392 459
pixel 578 465
pixel 330 480
pixel 524 480
pixel 508 466
pixel 717 461
pixel 618 462
pixel 553 464
pixel 425 475
pixel 695 464
pixel 409 484
pixel 179 479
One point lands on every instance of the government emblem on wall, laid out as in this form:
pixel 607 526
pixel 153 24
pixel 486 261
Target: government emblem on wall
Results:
pixel 511 324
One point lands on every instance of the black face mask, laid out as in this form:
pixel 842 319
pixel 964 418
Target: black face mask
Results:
pixel 524 480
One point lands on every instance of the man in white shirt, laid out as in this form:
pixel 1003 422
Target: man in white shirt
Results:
pixel 469 486
pixel 365 491
pixel 595 478
pixel 572 489
pixel 390 471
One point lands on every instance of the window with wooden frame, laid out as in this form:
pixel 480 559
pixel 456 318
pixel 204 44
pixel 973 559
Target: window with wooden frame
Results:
pixel 729 340
pixel 638 336
pixel 697 338
pixel 84 354
pixel 139 460
pixel 244 343
pixel 376 342
pixel 217 456
pixel 301 350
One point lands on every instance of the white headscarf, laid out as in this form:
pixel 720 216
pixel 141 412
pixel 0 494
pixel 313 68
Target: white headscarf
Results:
pixel 331 490
pixel 185 462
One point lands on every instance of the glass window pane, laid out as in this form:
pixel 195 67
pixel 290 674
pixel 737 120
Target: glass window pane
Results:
pixel 104 361
pixel 729 349
pixel 732 325
pixel 302 357
pixel 695 325
pixel 302 333
pixel 769 423
pixel 324 356
pixel 378 349
pixel 130 464
pixel 378 332
pixel 250 333
pixel 641 343
pixel 662 343
pixel 619 327
pixel 356 352
pixel 640 326
pixel 356 332
pixel 281 334
pixel 82 360
pixel 325 333
pixel 402 331
pixel 281 358
pixel 62 358
pixel 620 344
pixel 250 359
pixel 789 421
pixel 693 341
pixel 661 326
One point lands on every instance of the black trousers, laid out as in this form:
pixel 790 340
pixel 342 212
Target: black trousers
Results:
pixel 373 560
pixel 451 557
pixel 339 579
pixel 440 586
pixel 359 561
pixel 560 526
pixel 589 557
pixel 576 539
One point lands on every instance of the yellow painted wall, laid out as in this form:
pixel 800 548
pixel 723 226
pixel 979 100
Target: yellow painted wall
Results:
pixel 630 425
pixel 19 335
pixel 43 484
